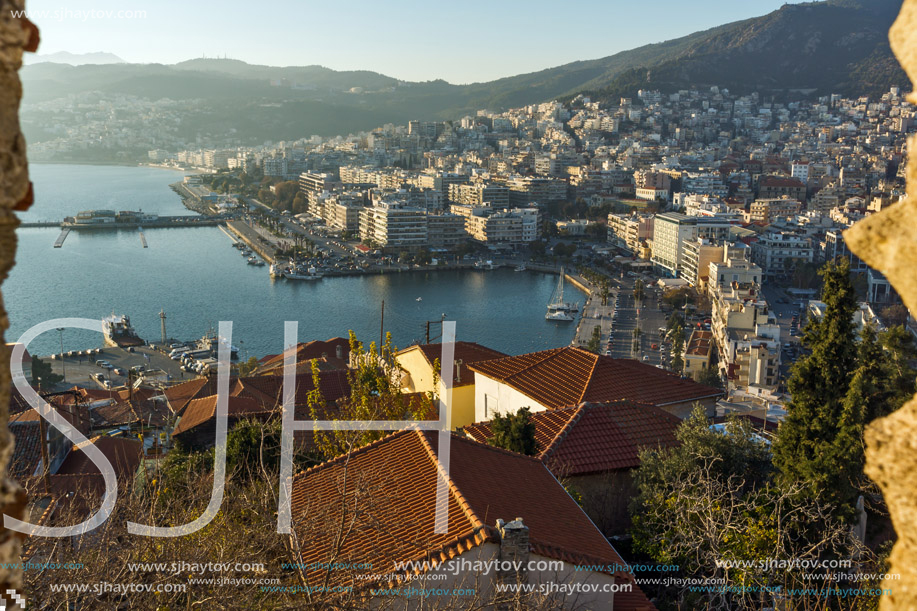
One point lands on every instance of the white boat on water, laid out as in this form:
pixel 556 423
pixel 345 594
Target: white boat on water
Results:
pixel 275 271
pixel 558 309
pixel 520 268
pixel 298 273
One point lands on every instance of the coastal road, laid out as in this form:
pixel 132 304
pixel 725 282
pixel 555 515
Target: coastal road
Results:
pixel 618 320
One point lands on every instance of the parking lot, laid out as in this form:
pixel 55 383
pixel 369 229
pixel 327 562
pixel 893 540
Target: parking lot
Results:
pixel 84 370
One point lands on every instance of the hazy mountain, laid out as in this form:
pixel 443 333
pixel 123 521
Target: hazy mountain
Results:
pixel 838 46
pixel 74 59
pixel 835 46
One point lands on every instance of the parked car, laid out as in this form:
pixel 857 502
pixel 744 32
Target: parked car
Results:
pixel 118 371
pixel 104 364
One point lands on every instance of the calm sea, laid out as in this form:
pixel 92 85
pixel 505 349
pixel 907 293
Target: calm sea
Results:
pixel 199 279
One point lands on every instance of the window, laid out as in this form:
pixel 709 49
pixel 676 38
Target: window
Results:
pixel 490 404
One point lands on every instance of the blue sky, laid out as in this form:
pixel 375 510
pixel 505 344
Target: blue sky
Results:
pixel 460 41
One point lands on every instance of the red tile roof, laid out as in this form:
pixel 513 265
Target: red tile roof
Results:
pixel 326 350
pixel 26 449
pixel 180 395
pixel 595 438
pixel 202 410
pixel 124 454
pixel 567 376
pixel 466 352
pixel 390 491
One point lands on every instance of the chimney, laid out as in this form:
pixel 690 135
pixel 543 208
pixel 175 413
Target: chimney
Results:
pixel 339 351
pixel 514 551
pixel 458 371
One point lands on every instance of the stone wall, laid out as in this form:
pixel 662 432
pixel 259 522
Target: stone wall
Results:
pixel 887 241
pixel 16 36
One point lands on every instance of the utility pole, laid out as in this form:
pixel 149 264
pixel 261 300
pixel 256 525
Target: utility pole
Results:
pixel 434 322
pixel 63 366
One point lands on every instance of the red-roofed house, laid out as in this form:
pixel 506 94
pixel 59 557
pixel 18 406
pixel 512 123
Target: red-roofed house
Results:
pixel 564 377
pixel 501 507
pixel 417 362
pixel 593 448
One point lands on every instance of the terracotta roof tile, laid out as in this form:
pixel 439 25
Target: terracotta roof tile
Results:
pixel 390 491
pixel 203 410
pixel 124 454
pixel 594 438
pixel 26 449
pixel 563 377
pixel 307 351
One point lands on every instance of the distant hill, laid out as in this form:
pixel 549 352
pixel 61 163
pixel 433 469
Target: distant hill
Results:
pixel 834 46
pixel 74 59
pixel 838 46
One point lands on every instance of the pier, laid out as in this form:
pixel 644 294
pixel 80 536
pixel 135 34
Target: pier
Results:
pixel 251 238
pixel 63 236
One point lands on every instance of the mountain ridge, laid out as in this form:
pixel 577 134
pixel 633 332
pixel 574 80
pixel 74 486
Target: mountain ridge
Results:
pixel 832 46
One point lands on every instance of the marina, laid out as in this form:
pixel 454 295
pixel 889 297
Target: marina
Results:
pixel 196 275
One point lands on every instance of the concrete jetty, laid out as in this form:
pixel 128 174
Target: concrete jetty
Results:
pixel 63 236
pixel 251 237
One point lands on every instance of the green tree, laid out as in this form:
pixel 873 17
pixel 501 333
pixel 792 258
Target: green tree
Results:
pixel 894 315
pixel 898 354
pixel 817 442
pixel 595 342
pixel 42 374
pixel 639 290
pixel 514 432
pixel 375 394
pixel 678 348
pixel 710 376
pixel 248 366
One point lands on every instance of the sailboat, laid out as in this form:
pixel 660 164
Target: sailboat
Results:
pixel 558 309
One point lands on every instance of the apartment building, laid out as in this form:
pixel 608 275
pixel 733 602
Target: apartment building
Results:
pixel 445 231
pixel 630 230
pixel 745 332
pixel 672 230
pixel 313 184
pixel 477 194
pixel 774 187
pixel 394 225
pixel 509 227
pixel 769 210
pixel 777 253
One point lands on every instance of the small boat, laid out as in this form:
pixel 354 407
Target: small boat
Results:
pixel 558 316
pixel 419 299
pixel 557 303
pixel 252 261
pixel 275 271
pixel 298 273
pixel 520 268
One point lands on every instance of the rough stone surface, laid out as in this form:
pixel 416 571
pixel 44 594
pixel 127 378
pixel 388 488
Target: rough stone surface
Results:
pixel 16 35
pixel 887 241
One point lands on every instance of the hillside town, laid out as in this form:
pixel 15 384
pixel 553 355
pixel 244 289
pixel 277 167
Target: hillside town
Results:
pixel 695 223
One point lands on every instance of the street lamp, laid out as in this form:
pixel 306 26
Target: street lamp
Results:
pixel 63 366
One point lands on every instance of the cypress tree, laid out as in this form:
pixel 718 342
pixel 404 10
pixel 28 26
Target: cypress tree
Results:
pixel 818 439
